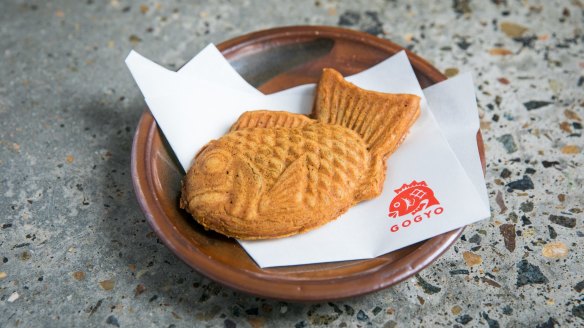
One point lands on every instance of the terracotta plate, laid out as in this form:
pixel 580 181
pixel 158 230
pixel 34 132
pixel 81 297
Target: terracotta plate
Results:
pixel 273 60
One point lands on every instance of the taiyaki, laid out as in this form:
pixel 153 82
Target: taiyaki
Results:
pixel 276 174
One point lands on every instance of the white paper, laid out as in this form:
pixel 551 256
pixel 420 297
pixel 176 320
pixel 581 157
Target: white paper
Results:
pixel 454 107
pixel 192 108
pixel 210 66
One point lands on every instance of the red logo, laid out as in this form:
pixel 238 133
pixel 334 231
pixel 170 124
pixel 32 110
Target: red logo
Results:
pixel 411 199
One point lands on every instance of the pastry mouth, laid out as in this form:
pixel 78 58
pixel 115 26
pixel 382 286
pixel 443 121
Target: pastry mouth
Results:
pixel 209 191
pixel 210 196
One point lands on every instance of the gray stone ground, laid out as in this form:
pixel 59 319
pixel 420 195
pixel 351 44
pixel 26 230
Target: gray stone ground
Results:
pixel 75 249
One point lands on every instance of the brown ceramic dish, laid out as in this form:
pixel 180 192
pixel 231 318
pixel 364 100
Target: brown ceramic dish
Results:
pixel 274 60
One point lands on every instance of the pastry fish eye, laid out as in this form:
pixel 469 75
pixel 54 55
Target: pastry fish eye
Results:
pixel 215 163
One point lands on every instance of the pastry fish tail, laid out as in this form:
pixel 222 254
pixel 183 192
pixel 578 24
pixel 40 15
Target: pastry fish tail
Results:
pixel 381 119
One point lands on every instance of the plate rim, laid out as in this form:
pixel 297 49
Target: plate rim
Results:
pixel 288 290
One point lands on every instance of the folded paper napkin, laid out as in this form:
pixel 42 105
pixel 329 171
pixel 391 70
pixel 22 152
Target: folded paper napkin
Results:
pixel 436 171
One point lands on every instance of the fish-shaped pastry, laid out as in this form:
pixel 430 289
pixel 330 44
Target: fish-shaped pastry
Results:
pixel 277 174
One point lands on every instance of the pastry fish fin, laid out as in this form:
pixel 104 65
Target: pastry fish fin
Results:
pixel 287 194
pixel 381 119
pixel 270 119
pixel 247 188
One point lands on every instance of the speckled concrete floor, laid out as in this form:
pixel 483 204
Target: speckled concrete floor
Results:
pixel 76 250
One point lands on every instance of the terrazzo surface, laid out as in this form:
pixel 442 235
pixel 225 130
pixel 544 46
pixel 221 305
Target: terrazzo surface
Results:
pixel 76 250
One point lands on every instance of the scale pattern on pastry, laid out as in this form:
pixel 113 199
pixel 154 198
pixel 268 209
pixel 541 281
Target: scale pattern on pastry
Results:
pixel 276 174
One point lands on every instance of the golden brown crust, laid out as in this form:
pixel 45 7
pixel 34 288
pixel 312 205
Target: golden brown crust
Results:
pixel 276 174
pixel 381 119
pixel 270 119
pixel 268 183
